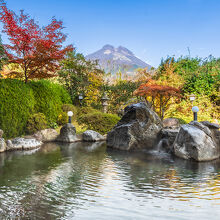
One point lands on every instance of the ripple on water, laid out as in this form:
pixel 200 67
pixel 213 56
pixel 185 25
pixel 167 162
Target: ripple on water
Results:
pixel 66 183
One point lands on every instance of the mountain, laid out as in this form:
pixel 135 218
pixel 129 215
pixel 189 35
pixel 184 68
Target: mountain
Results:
pixel 113 60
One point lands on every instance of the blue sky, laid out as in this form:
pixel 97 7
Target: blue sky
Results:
pixel 152 29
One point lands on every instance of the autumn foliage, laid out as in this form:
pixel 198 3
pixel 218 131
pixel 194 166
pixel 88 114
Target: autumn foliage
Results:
pixel 36 50
pixel 159 96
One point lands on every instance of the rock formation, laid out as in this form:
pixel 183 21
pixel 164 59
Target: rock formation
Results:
pixel 92 136
pixel 199 141
pixel 68 134
pixel 138 128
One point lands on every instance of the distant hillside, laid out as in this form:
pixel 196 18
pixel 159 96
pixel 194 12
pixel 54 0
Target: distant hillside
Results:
pixel 117 59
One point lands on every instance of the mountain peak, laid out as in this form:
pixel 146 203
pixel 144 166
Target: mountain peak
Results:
pixel 113 59
pixel 108 47
pixel 124 50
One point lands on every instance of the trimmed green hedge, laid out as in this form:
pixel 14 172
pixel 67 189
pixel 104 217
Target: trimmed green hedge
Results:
pixel 49 99
pixel 98 121
pixel 16 105
pixel 18 101
pixel 36 122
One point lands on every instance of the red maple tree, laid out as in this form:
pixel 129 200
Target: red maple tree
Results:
pixel 37 50
pixel 158 96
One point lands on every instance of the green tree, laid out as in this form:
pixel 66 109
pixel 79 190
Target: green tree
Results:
pixel 120 93
pixel 75 74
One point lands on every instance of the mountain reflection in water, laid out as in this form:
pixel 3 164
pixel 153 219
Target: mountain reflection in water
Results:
pixel 88 181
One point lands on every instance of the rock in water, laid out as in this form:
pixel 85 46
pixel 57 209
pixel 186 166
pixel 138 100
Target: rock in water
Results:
pixel 197 141
pixel 2 145
pixel 168 137
pixel 67 134
pixel 92 136
pixel 137 129
pixel 46 135
pixel 23 144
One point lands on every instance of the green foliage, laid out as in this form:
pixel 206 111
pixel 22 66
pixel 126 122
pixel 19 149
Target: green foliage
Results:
pixel 187 66
pixel 85 110
pixel 36 122
pixel 120 93
pixel 19 101
pixel 16 105
pixel 53 125
pixel 100 122
pixel 62 118
pixel 49 98
pixel 202 83
pixel 183 110
pixel 70 107
pixel 74 74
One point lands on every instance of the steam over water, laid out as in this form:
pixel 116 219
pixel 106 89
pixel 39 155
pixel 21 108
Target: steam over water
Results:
pixel 82 181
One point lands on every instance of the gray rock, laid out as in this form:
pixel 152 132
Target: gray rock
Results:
pixel 9 145
pixel 168 137
pixel 210 125
pixel 201 127
pixel 23 144
pixel 138 128
pixel 196 141
pixel 1 133
pixel 68 134
pixel 171 123
pixel 46 135
pixel 92 136
pixel 2 145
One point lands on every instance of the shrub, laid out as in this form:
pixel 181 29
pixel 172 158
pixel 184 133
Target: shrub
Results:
pixel 62 118
pixel 183 110
pixel 53 125
pixel 98 121
pixel 70 107
pixel 16 105
pixel 18 101
pixel 49 98
pixel 36 122
pixel 86 110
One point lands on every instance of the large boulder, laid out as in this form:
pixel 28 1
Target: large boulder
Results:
pixel 2 145
pixel 138 128
pixel 23 144
pixel 68 134
pixel 46 135
pixel 198 141
pixel 92 136
pixel 171 123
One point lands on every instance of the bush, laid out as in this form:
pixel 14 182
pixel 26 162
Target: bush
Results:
pixel 86 110
pixel 49 99
pixel 36 122
pixel 16 105
pixel 70 107
pixel 18 101
pixel 98 121
pixel 62 118
pixel 183 110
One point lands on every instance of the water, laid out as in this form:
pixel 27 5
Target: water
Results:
pixel 91 182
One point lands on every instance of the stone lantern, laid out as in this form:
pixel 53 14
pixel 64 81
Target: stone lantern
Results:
pixel 105 102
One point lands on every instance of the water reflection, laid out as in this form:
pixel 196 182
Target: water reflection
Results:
pixel 70 181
